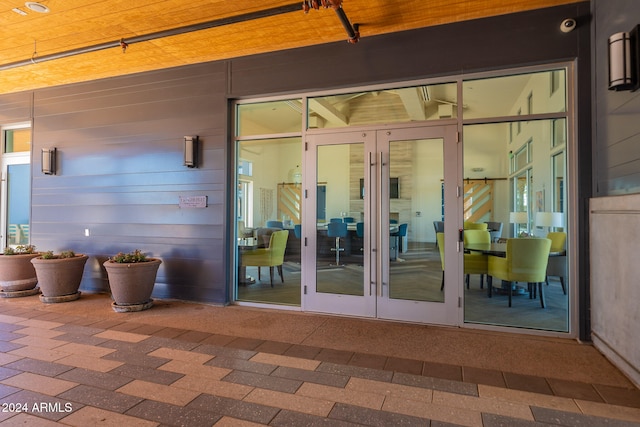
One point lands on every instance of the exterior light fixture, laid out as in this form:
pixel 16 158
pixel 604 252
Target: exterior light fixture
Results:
pixel 191 149
pixel 49 161
pixel 623 61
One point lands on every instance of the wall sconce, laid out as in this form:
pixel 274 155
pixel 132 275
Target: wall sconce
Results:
pixel 623 61
pixel 191 148
pixel 48 157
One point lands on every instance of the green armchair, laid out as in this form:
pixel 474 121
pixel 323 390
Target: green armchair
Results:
pixel 474 262
pixel 440 242
pixel 557 266
pixel 526 261
pixel 271 256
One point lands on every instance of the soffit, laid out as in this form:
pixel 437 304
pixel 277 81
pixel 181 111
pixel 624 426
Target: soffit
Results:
pixel 75 24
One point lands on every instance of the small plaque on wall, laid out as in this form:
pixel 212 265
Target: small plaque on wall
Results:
pixel 193 201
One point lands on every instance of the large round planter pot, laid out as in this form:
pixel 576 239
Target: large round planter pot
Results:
pixel 17 273
pixel 131 284
pixel 59 278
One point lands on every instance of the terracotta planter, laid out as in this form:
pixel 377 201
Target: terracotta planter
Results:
pixel 60 278
pixel 131 284
pixel 17 272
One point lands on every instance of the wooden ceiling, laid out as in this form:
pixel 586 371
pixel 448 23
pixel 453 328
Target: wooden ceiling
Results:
pixel 27 42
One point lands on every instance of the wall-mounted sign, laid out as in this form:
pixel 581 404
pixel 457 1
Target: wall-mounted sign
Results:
pixel 193 202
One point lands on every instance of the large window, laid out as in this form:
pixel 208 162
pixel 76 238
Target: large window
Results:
pixel 524 160
pixel 268 199
pixel 514 138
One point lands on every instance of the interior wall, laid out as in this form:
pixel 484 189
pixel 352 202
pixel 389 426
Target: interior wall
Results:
pixel 614 221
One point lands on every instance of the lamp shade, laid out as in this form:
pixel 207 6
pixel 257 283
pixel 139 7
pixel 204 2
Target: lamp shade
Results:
pixel 518 217
pixel 549 219
pixel 544 219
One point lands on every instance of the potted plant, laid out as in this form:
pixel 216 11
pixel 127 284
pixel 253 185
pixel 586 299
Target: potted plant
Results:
pixel 59 276
pixel 17 275
pixel 131 279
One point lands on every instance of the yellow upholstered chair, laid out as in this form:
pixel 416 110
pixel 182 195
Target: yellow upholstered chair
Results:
pixel 526 261
pixel 557 266
pixel 440 242
pixel 475 262
pixel 271 256
pixel 468 225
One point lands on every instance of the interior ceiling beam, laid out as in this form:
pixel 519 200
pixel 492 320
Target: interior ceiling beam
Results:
pixel 327 111
pixel 157 35
pixel 413 102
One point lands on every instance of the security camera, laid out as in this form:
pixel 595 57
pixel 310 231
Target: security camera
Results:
pixel 568 25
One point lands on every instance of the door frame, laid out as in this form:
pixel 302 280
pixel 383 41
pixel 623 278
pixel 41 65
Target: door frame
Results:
pixel 376 302
pixel 8 159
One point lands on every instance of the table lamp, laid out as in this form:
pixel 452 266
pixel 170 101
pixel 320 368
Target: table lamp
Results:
pixel 549 219
pixel 519 218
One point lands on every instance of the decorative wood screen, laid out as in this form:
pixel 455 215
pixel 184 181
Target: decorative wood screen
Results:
pixel 478 200
pixel 290 201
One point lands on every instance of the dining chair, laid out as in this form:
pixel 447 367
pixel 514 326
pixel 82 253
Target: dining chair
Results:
pixel 24 234
pixel 335 220
pixel 438 226
pixel 14 234
pixel 397 237
pixel 525 261
pixel 440 242
pixel 468 225
pixel 297 231
pixel 495 229
pixel 557 266
pixel 275 224
pixel 360 235
pixel 271 256
pixel 337 230
pixel 475 263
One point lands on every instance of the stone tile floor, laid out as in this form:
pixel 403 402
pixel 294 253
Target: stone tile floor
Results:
pixel 62 366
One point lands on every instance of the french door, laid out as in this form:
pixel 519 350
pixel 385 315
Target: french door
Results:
pixel 373 251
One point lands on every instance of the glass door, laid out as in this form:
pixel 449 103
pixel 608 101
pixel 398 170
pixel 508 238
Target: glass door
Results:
pixel 374 248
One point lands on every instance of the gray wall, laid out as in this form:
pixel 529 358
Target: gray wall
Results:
pixel 615 220
pixel 120 174
pixel 119 139
pixel 616 114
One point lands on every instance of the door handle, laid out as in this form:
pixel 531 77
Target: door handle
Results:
pixel 378 228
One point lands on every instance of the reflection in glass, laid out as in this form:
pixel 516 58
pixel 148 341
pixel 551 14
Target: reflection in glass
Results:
pixel 340 210
pixel 399 105
pixel 268 199
pixel 18 204
pixel 415 268
pixel 268 118
pixel 558 182
pixel 17 140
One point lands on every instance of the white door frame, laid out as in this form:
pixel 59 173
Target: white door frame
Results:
pixel 376 301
